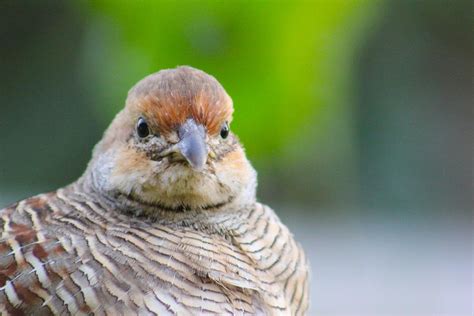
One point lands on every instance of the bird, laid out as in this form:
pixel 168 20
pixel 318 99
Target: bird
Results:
pixel 164 220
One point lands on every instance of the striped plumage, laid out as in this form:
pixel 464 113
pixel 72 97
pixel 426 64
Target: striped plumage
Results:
pixel 93 248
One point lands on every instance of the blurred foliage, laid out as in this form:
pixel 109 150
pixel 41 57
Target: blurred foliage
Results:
pixel 281 62
pixel 337 102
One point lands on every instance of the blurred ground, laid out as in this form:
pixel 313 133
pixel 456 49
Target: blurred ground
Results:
pixel 388 267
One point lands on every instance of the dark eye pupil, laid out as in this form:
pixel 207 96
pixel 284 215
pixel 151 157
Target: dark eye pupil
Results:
pixel 225 131
pixel 142 128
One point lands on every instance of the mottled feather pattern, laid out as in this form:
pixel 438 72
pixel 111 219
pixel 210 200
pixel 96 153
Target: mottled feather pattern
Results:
pixel 67 253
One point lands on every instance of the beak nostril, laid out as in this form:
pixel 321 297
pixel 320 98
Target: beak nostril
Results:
pixel 192 146
pixel 194 149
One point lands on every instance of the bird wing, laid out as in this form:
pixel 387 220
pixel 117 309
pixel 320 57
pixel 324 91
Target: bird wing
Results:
pixel 261 258
pixel 34 266
pixel 276 255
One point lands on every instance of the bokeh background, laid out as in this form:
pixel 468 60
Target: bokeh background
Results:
pixel 357 115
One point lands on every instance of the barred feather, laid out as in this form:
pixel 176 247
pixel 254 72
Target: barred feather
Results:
pixel 68 252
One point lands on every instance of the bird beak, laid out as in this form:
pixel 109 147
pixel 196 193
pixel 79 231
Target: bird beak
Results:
pixel 192 144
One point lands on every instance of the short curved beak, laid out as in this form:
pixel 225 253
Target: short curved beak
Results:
pixel 192 144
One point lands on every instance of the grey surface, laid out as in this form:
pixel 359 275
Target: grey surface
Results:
pixel 384 267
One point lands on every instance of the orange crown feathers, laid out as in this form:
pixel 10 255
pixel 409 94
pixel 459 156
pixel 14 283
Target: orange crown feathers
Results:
pixel 169 97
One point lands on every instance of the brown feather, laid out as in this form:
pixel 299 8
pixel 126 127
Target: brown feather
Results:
pixel 169 97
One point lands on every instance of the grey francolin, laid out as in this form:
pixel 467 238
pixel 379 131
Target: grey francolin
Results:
pixel 163 221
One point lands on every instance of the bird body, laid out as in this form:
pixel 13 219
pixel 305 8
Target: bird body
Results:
pixel 164 220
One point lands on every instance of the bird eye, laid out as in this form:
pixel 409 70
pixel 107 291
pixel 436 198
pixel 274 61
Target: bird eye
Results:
pixel 225 130
pixel 142 128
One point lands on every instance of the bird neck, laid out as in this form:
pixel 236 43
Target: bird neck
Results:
pixel 94 182
pixel 121 207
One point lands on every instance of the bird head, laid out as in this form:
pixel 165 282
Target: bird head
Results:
pixel 172 147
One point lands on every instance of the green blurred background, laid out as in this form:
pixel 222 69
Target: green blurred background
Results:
pixel 356 114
